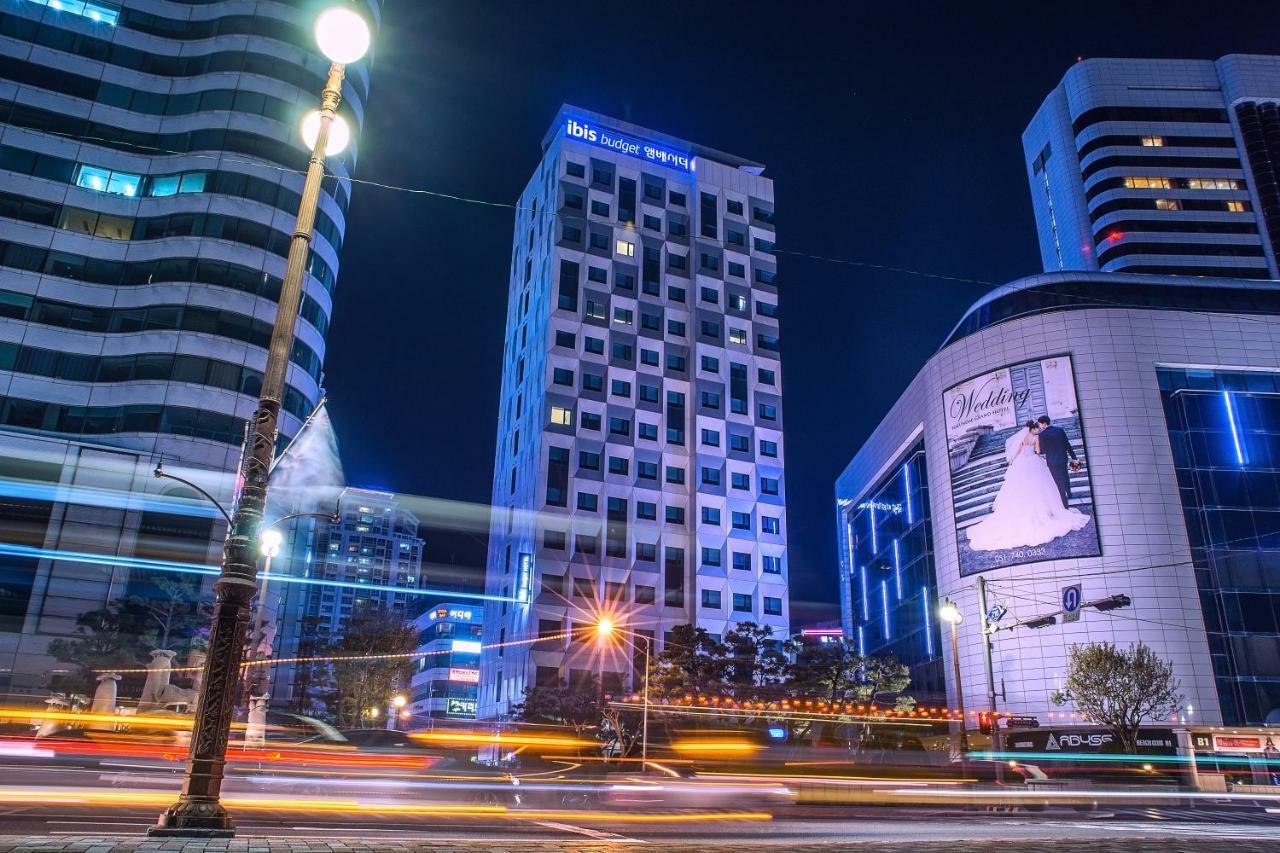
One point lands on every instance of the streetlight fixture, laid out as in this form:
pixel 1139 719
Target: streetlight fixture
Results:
pixel 395 712
pixel 605 629
pixel 344 37
pixel 951 614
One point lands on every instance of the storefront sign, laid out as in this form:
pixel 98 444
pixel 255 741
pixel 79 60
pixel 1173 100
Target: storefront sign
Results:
pixel 464 676
pixel 461 707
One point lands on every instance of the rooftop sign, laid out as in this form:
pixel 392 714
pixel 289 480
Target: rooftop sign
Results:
pixel 605 137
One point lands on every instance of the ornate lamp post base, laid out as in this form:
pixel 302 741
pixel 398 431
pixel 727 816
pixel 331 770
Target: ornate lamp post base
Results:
pixel 194 819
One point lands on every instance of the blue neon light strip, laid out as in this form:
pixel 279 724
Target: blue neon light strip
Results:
pixel 906 491
pixel 198 569
pixel 884 601
pixel 848 533
pixel 1235 431
pixel 866 604
pixel 928 626
pixel 875 547
pixel 862 642
pixel 897 568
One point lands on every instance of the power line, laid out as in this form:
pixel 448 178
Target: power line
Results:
pixel 1112 613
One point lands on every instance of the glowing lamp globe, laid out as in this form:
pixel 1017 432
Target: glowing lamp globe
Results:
pixel 339 133
pixel 948 612
pixel 342 35
pixel 269 542
pixel 604 627
pixel 399 701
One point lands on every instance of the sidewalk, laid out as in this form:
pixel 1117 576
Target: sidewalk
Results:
pixel 259 844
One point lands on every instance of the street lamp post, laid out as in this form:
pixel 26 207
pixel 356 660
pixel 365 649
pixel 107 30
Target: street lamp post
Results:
pixel 343 36
pixel 948 612
pixel 257 683
pixel 394 710
pixel 604 630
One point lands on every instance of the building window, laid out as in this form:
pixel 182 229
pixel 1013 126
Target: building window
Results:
pixel 561 376
pixel 739 443
pixel 711 476
pixel 734 207
pixel 649 357
pixel 710 329
pixel 772 606
pixel 645 594
pixel 574 170
pixel 741 602
pixel 737 270
pixel 711 599
pixel 675 515
pixel 561 416
pixel 620 388
pixel 591 421
pixel 766 377
pixel 568 340
pixel 741 520
pixel 1168 204
pixel 646 511
pixel 649 393
pixel 768 412
pixel 676 363
pixel 1153 141
pixel 553 539
pixel 110 181
pixel 676 294
pixel 623 316
pixel 1148 183
pixel 588 460
pixel 771 565
pixel 676 199
pixel 591 382
pixel 711 438
pixel 737 336
pixel 588 502
pixel 653 223
pixel 770 524
pixel 710 515
pixel 675 475
pixel 619 426
pixel 619 465
pixel 649 432
pixel 741 561
pixel 710 364
pixel 627 250
pixel 595 346
pixel 710 400
pixel 769 485
pixel 740 480
pixel 1236 207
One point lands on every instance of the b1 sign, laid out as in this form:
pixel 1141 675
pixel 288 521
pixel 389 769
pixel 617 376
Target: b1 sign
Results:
pixel 612 139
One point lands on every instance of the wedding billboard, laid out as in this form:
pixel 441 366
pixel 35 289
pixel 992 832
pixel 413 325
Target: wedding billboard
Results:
pixel 1020 485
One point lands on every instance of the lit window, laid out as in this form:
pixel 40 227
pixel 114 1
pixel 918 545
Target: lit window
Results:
pixel 107 181
pixel 1235 207
pixel 561 416
pixel 99 13
pixel 623 316
pixel 1214 184
pixel 1153 141
pixel 1168 204
pixel 1149 183
pixel 737 302
pixel 737 336
pixel 627 250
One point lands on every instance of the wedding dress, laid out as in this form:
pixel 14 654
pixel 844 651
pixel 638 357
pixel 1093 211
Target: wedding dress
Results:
pixel 1028 509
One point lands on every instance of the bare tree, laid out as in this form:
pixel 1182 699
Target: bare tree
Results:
pixel 1120 688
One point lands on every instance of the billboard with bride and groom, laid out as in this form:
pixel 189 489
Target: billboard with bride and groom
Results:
pixel 1020 485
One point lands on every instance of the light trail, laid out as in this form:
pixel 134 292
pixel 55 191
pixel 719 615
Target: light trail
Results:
pixel 135 799
pixel 90 558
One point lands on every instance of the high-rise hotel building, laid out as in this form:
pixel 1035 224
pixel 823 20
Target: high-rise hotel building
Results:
pixel 1160 166
pixel 150 173
pixel 639 465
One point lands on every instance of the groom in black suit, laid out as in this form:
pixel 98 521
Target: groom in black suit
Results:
pixel 1055 447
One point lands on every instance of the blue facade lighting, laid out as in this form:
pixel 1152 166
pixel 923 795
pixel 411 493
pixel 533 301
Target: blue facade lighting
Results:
pixel 862 642
pixel 875 545
pixel 928 626
pixel 897 568
pixel 866 604
pixel 1235 430
pixel 884 601
pixel 906 492
pixel 848 540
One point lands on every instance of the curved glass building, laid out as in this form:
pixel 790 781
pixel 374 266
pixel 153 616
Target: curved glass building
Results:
pixel 150 173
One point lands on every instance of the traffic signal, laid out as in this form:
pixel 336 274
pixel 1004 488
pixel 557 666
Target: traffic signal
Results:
pixel 984 722
pixel 1042 622
pixel 1115 602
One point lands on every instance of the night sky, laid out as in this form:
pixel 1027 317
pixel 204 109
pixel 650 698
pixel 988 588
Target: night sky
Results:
pixel 891 131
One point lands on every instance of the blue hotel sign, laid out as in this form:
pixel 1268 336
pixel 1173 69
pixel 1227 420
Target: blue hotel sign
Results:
pixel 620 142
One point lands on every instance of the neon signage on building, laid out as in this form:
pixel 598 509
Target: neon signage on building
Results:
pixel 585 131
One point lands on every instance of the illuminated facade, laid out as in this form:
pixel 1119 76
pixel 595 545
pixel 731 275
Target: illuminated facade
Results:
pixel 363 560
pixel 148 188
pixel 1159 166
pixel 446 673
pixel 1176 422
pixel 639 467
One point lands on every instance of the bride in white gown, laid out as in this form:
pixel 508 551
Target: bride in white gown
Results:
pixel 1028 508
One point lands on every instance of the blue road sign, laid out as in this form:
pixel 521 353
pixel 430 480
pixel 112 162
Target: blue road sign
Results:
pixel 1072 598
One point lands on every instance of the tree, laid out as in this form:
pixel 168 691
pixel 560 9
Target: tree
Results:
pixel 836 672
pixel 104 639
pixel 755 660
pixel 1119 688
pixel 175 615
pixel 366 682
pixel 691 662
pixel 576 704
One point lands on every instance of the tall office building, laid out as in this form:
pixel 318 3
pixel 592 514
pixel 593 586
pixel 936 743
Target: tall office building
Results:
pixel 1168 167
pixel 149 177
pixel 639 461
pixel 363 559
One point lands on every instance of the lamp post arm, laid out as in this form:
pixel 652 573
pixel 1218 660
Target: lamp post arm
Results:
pixel 162 474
